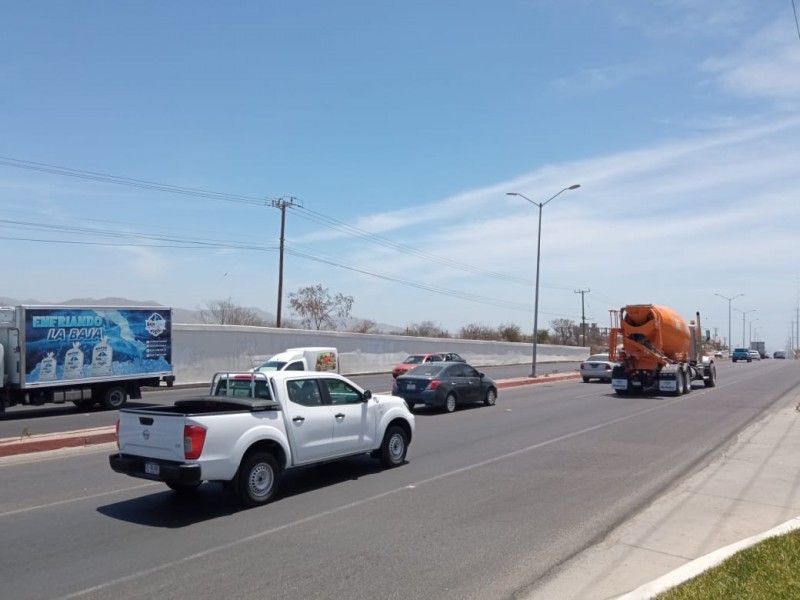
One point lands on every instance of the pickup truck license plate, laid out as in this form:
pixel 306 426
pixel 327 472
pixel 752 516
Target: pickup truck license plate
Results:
pixel 151 468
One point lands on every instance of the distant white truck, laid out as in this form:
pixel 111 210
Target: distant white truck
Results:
pixel 303 359
pixel 254 426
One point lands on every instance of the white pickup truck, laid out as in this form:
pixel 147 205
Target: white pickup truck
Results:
pixel 253 426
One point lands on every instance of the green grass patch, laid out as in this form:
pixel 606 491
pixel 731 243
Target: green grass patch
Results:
pixel 769 570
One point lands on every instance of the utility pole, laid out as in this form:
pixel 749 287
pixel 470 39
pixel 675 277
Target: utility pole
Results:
pixel 282 204
pixel 583 313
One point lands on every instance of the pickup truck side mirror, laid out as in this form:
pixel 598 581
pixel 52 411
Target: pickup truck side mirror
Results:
pixel 367 395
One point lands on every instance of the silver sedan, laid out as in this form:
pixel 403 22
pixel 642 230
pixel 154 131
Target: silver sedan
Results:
pixel 597 366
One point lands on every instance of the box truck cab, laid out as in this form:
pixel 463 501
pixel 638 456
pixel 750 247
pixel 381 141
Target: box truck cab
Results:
pixel 302 359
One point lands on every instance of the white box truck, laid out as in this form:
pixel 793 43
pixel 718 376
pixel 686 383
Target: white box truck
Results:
pixel 302 359
pixel 83 354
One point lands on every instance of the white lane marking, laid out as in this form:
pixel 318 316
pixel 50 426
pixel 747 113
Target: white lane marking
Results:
pixel 333 511
pixel 71 500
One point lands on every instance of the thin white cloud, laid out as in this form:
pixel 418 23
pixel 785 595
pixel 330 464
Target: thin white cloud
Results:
pixel 766 67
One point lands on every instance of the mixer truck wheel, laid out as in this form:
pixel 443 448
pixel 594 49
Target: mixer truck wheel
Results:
pixel 687 380
pixel 711 378
pixel 678 383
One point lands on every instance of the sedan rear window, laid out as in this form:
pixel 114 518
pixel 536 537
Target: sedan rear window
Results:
pixel 598 357
pixel 427 369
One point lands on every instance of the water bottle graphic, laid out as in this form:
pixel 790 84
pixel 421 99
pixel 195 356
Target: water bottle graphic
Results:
pixel 47 368
pixel 73 362
pixel 101 359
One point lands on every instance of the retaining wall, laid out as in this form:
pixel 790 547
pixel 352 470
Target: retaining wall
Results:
pixel 198 351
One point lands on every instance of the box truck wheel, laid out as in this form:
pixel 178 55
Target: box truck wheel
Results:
pixel 114 397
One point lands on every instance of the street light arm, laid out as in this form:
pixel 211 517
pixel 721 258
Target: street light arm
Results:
pixel 541 204
pixel 572 187
pixel 726 298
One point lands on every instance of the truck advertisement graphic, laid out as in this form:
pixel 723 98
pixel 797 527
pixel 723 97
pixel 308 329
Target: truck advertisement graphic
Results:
pixel 68 344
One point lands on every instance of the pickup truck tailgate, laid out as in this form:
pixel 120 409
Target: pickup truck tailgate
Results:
pixel 151 434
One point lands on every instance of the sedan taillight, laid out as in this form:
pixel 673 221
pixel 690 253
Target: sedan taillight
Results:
pixel 434 384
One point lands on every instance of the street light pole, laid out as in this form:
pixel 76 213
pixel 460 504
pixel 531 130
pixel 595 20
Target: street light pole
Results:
pixel 538 254
pixel 744 324
pixel 730 339
pixel 751 332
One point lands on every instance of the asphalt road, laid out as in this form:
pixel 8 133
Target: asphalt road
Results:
pixel 53 418
pixel 491 500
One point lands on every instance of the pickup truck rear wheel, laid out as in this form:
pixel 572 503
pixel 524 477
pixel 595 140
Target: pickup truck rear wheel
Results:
pixel 394 447
pixel 258 479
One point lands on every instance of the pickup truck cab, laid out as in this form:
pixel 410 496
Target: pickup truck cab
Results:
pixel 252 427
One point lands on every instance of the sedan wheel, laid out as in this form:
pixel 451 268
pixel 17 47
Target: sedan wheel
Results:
pixel 450 403
pixel 491 397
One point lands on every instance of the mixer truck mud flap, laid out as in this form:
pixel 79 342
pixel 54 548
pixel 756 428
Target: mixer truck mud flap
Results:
pixel 668 383
pixel 619 380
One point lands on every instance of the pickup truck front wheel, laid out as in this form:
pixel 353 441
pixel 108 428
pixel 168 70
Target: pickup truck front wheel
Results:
pixel 394 447
pixel 258 479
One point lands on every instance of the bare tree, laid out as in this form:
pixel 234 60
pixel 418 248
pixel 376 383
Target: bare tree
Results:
pixel 474 331
pixel 565 332
pixel 317 309
pixel 510 332
pixel 427 329
pixel 365 326
pixel 227 312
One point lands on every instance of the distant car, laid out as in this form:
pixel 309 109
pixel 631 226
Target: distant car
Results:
pixel 597 366
pixel 741 354
pixel 415 360
pixel 451 356
pixel 755 355
pixel 445 385
pixel 779 354
pixel 718 354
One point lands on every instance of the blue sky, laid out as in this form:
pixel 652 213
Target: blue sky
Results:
pixel 399 128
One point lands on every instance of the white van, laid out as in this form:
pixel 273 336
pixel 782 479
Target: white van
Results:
pixel 303 359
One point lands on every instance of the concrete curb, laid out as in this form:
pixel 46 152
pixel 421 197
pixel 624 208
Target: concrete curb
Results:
pixel 102 435
pixel 54 441
pixel 702 564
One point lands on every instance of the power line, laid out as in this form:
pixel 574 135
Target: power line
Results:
pixel 188 243
pixel 310 215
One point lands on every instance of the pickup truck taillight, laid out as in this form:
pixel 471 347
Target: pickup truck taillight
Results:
pixel 116 433
pixel 194 437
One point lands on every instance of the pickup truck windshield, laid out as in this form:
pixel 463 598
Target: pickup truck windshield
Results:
pixel 271 365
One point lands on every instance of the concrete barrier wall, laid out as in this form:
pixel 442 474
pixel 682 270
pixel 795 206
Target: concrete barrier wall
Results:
pixel 201 350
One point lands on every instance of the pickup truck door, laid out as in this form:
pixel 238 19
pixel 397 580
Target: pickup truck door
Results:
pixel 309 421
pixel 354 421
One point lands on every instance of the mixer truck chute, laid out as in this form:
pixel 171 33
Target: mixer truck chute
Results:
pixel 656 350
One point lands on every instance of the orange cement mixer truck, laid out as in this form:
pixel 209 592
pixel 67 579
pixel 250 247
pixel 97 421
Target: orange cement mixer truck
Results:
pixel 657 351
